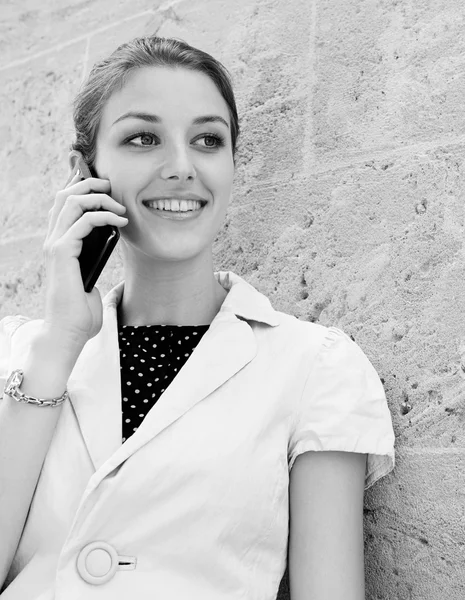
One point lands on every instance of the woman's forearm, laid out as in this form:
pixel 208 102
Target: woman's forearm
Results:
pixel 26 431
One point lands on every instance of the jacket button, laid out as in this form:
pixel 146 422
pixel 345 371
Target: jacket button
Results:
pixel 97 563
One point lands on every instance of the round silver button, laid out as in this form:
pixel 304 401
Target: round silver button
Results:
pixel 97 563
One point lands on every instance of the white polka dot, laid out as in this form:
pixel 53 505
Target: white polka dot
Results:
pixel 146 401
pixel 187 337
pixel 128 383
pixel 127 420
pixel 133 406
pixel 152 369
pixel 146 339
pixel 142 360
pixel 149 384
pixel 124 439
pixel 124 355
pixel 194 333
pixel 186 355
pixel 154 346
pixel 141 415
pixel 157 379
pixel 162 339
pixel 140 374
pixel 162 355
pixel 137 391
pixel 131 368
pixel 135 429
pixel 125 399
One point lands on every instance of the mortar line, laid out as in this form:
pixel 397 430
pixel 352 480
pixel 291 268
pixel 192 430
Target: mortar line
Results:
pixel 384 154
pixel 309 151
pixel 86 59
pixel 80 38
pixel 378 155
pixel 23 238
pixel 429 451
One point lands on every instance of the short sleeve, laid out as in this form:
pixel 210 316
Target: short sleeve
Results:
pixel 343 408
pixel 8 325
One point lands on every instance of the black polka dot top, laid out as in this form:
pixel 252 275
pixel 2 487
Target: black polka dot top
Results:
pixel 150 358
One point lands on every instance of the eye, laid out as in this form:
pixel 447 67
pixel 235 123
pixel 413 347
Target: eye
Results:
pixel 210 140
pixel 142 138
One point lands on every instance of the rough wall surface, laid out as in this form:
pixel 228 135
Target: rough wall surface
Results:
pixel 348 208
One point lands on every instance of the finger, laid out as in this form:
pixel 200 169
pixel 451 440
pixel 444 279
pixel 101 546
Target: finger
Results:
pixel 76 206
pixel 85 186
pixel 89 185
pixel 74 179
pixel 83 226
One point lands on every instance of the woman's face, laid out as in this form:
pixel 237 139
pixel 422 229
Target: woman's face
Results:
pixel 164 142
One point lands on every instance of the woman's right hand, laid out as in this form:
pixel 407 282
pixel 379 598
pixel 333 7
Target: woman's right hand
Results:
pixel 70 312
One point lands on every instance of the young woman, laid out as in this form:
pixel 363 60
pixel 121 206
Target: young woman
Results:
pixel 200 439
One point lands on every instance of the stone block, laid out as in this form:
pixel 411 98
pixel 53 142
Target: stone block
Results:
pixel 30 28
pixel 36 130
pixel 414 528
pixel 22 275
pixel 387 74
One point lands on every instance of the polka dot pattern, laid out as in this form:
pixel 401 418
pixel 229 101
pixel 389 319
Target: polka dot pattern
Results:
pixel 150 357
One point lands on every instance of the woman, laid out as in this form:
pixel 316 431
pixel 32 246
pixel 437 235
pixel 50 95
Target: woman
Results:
pixel 203 429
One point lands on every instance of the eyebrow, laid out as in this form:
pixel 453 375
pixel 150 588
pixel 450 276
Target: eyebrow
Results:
pixel 150 118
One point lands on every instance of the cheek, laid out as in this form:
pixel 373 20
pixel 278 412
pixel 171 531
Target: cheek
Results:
pixel 126 183
pixel 220 177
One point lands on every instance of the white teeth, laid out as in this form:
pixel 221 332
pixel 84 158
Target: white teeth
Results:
pixel 175 205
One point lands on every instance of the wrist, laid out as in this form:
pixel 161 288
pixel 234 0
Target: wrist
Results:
pixel 57 341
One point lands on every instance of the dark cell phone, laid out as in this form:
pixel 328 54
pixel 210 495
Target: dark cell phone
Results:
pixel 101 241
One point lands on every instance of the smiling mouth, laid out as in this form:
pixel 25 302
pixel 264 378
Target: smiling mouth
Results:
pixel 172 205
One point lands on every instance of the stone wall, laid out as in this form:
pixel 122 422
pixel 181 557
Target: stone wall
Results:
pixel 348 208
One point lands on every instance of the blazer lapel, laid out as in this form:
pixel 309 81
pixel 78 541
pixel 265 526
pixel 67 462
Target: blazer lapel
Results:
pixel 95 390
pixel 95 384
pixel 227 347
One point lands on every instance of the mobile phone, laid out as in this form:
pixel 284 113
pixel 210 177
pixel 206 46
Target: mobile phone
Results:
pixel 101 241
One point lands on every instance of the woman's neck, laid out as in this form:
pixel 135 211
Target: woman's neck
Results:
pixel 174 293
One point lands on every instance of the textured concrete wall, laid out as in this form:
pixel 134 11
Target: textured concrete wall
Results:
pixel 348 208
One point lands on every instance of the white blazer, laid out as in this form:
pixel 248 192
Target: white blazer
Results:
pixel 194 505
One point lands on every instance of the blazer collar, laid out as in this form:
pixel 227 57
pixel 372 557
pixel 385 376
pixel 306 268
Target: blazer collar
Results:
pixel 95 384
pixel 243 300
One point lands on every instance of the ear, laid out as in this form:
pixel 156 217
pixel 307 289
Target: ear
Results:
pixel 73 158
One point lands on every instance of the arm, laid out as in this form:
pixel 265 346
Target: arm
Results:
pixel 25 435
pixel 326 559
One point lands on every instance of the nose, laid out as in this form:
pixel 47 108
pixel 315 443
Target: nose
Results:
pixel 177 164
